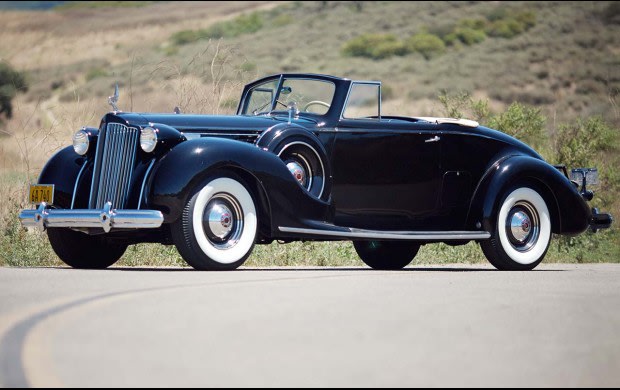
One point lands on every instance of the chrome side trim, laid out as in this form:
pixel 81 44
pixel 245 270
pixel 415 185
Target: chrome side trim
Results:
pixel 227 134
pixel 106 218
pixel 146 176
pixel 77 180
pixel 383 235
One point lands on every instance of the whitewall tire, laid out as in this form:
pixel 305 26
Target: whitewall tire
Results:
pixel 522 231
pixel 218 227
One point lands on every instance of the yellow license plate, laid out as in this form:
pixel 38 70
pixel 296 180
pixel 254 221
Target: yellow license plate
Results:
pixel 42 193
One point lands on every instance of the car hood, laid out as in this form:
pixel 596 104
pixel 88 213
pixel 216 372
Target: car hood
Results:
pixel 188 123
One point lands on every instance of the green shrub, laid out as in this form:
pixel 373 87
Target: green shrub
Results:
pixel 426 44
pixel 466 35
pixel 520 121
pixel 505 22
pixel 476 24
pixel 11 82
pixel 505 28
pixel 579 142
pixel 498 13
pixel 376 46
pixel 244 24
pixel 463 105
pixel 96 73
pixel 187 36
pixel 526 18
pixel 248 66
pixel 388 49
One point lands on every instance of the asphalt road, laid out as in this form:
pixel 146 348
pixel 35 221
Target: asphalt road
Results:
pixel 425 326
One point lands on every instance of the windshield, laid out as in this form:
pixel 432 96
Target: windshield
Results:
pixel 310 96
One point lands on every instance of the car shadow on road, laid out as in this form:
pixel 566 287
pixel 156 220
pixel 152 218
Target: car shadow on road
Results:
pixel 318 269
pixel 308 269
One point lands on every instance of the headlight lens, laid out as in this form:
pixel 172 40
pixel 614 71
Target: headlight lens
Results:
pixel 148 139
pixel 80 142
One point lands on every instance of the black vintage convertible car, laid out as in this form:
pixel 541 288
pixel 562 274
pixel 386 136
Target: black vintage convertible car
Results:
pixel 306 157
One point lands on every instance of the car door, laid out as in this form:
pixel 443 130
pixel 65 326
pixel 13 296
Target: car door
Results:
pixel 386 175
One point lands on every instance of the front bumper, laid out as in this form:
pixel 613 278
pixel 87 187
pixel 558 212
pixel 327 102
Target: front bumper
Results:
pixel 600 220
pixel 107 219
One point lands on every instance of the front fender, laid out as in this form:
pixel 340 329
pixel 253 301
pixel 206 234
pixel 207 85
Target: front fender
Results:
pixel 62 170
pixel 570 213
pixel 185 168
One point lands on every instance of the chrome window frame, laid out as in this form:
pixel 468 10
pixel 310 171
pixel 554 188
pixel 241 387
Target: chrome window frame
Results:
pixel 346 101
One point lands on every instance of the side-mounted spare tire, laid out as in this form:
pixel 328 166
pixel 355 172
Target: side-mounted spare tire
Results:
pixel 304 156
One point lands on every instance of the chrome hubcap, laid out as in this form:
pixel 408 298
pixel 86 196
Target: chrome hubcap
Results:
pixel 223 221
pixel 220 219
pixel 297 171
pixel 522 226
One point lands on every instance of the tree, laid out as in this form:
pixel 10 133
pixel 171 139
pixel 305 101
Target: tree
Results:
pixel 11 82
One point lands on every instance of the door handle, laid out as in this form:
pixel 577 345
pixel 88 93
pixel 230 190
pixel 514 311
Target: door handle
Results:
pixel 434 139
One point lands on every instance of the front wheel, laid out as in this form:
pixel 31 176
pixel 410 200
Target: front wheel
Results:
pixel 386 255
pixel 522 232
pixel 217 229
pixel 79 250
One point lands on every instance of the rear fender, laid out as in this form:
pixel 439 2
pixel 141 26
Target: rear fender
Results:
pixel 570 213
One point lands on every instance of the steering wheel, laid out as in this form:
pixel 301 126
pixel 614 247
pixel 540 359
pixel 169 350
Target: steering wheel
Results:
pixel 315 102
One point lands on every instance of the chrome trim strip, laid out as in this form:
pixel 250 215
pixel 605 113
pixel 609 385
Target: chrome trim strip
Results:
pixel 77 180
pixel 381 235
pixel 146 176
pixel 105 218
pixel 96 170
pixel 228 134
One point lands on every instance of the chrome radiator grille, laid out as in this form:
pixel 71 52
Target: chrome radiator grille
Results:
pixel 114 163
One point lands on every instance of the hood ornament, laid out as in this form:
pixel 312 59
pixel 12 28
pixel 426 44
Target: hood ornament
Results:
pixel 112 100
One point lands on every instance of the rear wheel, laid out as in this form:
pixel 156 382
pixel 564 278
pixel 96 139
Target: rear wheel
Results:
pixel 386 255
pixel 79 250
pixel 522 232
pixel 217 229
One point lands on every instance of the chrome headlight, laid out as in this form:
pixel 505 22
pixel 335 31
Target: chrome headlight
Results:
pixel 148 139
pixel 80 142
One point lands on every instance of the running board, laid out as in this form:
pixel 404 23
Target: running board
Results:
pixel 383 235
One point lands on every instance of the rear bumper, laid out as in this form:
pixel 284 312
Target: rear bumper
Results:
pixel 600 220
pixel 106 218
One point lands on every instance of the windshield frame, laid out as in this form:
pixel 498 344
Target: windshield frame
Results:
pixel 282 78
